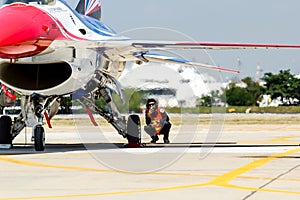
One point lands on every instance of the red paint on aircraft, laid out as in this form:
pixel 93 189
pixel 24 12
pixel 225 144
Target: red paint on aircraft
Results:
pixel 25 31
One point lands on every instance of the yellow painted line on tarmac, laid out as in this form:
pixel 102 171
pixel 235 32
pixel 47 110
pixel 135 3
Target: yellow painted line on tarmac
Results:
pixel 268 178
pixel 36 164
pixel 112 193
pixel 284 138
pixel 225 179
pixel 220 181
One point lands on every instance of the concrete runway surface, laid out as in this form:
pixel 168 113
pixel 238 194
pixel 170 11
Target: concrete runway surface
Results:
pixel 244 162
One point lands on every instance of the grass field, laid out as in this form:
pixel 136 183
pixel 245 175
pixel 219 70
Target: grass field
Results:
pixel 237 109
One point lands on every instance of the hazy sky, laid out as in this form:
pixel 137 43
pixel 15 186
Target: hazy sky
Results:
pixel 248 21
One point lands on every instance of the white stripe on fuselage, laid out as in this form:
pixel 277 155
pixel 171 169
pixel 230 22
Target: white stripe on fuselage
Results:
pixel 71 25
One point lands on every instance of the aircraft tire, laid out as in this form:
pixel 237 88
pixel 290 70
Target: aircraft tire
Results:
pixel 5 130
pixel 39 138
pixel 134 129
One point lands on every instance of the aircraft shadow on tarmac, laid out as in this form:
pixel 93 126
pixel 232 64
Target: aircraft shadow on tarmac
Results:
pixel 19 149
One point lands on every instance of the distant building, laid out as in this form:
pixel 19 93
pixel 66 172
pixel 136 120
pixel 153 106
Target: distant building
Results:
pixel 172 85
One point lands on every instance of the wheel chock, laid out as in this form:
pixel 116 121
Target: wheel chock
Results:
pixel 134 145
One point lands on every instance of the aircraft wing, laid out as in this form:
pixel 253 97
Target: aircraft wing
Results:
pixel 209 45
pixel 167 45
pixel 131 50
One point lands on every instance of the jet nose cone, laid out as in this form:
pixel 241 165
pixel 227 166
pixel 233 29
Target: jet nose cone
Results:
pixel 16 24
pixel 25 30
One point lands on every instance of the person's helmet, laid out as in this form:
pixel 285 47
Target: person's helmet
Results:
pixel 150 102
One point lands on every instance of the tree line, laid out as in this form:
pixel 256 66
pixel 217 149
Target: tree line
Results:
pixel 283 85
pixel 246 92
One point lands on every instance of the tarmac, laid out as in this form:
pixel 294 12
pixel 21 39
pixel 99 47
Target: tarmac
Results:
pixel 203 162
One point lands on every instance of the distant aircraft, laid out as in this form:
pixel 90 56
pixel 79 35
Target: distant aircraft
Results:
pixel 50 49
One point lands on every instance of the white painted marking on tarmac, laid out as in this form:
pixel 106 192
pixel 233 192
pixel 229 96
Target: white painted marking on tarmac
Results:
pixel 237 150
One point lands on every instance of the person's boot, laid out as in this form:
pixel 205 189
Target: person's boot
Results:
pixel 166 138
pixel 154 139
pixel 166 141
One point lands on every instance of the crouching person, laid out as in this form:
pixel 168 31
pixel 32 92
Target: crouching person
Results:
pixel 157 121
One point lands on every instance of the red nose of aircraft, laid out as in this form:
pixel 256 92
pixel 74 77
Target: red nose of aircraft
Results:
pixel 25 31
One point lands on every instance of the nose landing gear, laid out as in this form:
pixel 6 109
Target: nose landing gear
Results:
pixel 39 138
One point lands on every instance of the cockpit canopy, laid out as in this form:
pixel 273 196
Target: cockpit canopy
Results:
pixel 40 2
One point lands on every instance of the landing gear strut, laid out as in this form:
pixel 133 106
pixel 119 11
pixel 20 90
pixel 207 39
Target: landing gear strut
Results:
pixel 130 130
pixel 34 109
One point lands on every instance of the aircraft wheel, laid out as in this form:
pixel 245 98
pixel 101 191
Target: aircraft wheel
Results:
pixel 39 138
pixel 134 129
pixel 5 130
